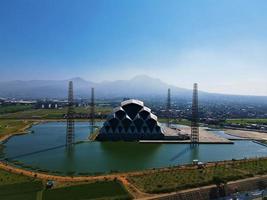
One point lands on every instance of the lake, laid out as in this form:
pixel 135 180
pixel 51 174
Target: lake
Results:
pixel 44 149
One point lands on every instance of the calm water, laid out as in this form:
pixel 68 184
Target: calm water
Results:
pixel 92 157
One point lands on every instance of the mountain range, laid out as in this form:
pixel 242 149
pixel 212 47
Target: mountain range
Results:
pixel 141 86
pixel 137 86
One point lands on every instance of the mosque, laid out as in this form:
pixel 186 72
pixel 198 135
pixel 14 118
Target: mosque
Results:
pixel 131 121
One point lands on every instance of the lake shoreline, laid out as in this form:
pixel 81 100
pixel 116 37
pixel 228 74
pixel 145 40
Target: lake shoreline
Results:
pixel 5 165
pixel 120 151
pixel 25 130
pixel 22 131
pixel 245 134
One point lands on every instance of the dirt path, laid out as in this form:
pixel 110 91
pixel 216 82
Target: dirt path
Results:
pixel 134 191
pixel 43 176
pixel 123 175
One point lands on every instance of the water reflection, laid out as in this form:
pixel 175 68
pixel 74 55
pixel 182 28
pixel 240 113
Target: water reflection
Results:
pixel 181 153
pixel 194 153
pixel 70 133
pixel 69 161
pixel 126 149
pixel 129 153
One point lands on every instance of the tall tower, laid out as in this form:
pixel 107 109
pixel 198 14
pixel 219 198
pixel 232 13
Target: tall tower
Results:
pixel 70 117
pixel 195 117
pixel 168 107
pixel 92 114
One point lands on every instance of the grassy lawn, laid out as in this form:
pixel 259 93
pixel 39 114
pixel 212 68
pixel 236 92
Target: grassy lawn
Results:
pixel 247 121
pixel 12 126
pixel 14 108
pixel 178 179
pixel 176 121
pixel 50 113
pixel 7 178
pixel 98 190
pixel 36 113
pixel 19 187
pixel 13 186
pixel 21 191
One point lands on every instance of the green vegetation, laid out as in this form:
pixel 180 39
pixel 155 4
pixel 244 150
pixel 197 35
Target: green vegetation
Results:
pixel 246 121
pixel 14 108
pixel 13 126
pixel 177 179
pixel 37 114
pixel 50 113
pixel 21 191
pixel 98 190
pixel 176 121
pixel 7 178
pixel 13 186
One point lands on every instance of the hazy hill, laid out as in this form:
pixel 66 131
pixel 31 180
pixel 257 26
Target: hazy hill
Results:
pixel 138 87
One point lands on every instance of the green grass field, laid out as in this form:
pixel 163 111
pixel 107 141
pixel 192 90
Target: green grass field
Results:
pixel 176 121
pixel 49 113
pixel 98 190
pixel 19 187
pixel 178 179
pixel 12 126
pixel 14 108
pixel 13 187
pixel 7 178
pixel 21 191
pixel 246 121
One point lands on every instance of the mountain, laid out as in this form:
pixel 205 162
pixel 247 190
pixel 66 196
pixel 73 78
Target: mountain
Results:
pixel 138 87
pixel 40 88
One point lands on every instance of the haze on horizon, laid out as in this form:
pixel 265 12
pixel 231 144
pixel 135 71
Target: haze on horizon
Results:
pixel 222 45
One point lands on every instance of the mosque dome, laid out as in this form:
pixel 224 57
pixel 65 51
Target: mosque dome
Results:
pixel 131 120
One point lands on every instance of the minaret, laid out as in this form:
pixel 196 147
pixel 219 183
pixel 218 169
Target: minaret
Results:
pixel 92 114
pixel 168 109
pixel 195 117
pixel 70 117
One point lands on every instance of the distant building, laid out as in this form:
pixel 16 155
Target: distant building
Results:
pixel 50 104
pixel 16 102
pixel 131 121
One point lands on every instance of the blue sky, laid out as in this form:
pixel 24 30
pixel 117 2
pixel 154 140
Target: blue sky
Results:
pixel 222 45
